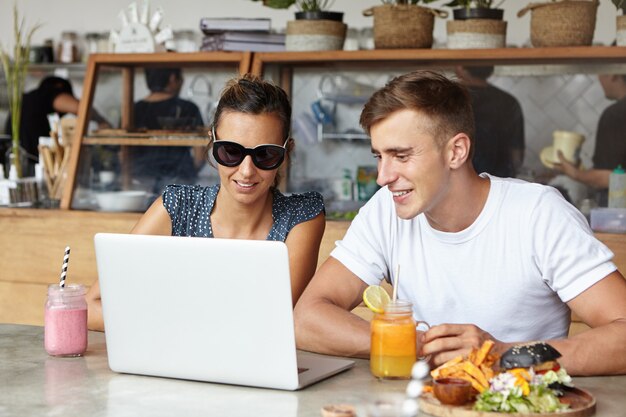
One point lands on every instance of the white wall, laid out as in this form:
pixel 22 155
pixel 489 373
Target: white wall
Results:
pixel 98 16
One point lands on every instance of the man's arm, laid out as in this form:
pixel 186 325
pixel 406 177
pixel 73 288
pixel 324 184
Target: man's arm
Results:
pixel 66 103
pixel 598 178
pixel 598 351
pixel 602 349
pixel 323 319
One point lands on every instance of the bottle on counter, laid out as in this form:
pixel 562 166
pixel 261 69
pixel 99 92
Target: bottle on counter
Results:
pixel 65 320
pixel 344 187
pixel 617 188
pixel 4 188
pixel 68 48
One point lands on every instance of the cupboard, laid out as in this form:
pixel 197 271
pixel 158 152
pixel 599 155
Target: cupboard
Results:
pixel 117 75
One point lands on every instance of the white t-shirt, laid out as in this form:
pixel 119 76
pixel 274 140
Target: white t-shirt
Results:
pixel 510 272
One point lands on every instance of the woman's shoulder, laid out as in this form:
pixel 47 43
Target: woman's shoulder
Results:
pixel 310 202
pixel 291 210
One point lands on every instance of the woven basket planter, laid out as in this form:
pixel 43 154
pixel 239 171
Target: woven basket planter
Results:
pixel 403 26
pixel 621 30
pixel 476 33
pixel 315 35
pixel 563 23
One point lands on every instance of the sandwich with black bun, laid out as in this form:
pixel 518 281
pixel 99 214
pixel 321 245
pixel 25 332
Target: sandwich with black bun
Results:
pixel 530 381
pixel 539 356
pixel 542 359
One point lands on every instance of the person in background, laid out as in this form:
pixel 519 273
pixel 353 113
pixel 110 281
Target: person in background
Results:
pixel 249 139
pixel 157 166
pixel 499 120
pixel 610 148
pixel 53 95
pixel 481 257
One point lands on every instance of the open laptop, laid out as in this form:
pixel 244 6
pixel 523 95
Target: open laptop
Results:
pixel 216 310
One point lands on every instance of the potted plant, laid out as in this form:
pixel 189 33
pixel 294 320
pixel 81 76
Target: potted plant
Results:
pixel 315 28
pixel 15 73
pixel 562 23
pixel 403 23
pixel 620 21
pixel 476 24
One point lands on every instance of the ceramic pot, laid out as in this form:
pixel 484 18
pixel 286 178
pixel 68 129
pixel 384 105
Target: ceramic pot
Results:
pixel 315 35
pixel 476 33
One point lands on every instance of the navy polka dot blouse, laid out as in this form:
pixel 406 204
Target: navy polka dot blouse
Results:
pixel 190 206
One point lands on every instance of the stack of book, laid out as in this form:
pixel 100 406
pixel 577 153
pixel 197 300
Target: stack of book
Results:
pixel 240 34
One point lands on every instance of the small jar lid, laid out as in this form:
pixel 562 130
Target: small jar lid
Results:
pixel 71 290
pixel 398 307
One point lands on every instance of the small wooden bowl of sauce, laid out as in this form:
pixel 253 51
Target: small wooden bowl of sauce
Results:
pixel 452 391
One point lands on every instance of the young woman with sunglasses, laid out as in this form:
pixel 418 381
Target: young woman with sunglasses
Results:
pixel 249 141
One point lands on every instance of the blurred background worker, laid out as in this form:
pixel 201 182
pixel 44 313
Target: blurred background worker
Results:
pixel 153 166
pixel 499 139
pixel 610 148
pixel 53 95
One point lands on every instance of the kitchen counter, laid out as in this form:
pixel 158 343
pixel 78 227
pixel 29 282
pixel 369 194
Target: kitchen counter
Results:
pixel 34 383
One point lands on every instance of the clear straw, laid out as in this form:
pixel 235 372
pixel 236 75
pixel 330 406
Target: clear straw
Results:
pixel 66 260
pixel 394 296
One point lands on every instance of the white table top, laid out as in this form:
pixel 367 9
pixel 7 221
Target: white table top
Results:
pixel 33 383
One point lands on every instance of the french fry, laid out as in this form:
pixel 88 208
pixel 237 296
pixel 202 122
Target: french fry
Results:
pixel 476 367
pixel 472 370
pixel 483 352
pixel 472 356
pixel 487 371
pixel 490 360
pixel 475 384
pixel 435 372
pixel 451 370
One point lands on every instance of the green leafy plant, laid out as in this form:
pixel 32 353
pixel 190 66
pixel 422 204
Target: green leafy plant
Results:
pixel 15 73
pixel 485 4
pixel 302 5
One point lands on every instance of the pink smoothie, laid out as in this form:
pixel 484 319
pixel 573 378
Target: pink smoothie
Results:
pixel 65 332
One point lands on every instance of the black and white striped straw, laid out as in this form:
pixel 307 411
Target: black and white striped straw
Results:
pixel 66 260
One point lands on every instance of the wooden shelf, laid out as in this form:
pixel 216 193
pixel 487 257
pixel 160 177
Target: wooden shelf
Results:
pixel 53 66
pixel 180 59
pixel 148 141
pixel 443 57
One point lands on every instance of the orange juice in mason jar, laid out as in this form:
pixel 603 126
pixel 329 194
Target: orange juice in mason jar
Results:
pixel 393 348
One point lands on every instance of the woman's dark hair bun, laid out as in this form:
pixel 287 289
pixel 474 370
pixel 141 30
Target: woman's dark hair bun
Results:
pixel 525 356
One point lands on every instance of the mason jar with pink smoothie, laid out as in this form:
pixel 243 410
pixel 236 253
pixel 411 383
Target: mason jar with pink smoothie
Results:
pixel 65 321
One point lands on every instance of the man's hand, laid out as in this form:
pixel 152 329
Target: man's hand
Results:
pixel 566 167
pixel 446 341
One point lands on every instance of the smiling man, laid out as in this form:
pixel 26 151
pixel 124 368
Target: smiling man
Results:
pixel 482 257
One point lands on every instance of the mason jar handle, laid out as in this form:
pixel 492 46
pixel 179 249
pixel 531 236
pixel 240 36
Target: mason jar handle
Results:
pixel 421 323
pixel 417 327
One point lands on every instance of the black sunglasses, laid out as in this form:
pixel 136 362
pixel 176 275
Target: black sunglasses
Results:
pixel 231 154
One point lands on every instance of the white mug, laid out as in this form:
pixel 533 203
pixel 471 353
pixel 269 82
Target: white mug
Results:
pixel 569 144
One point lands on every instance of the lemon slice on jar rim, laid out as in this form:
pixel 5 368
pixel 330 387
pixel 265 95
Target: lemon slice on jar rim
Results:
pixel 376 298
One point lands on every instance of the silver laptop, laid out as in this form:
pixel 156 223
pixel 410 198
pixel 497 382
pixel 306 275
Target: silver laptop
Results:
pixel 216 310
